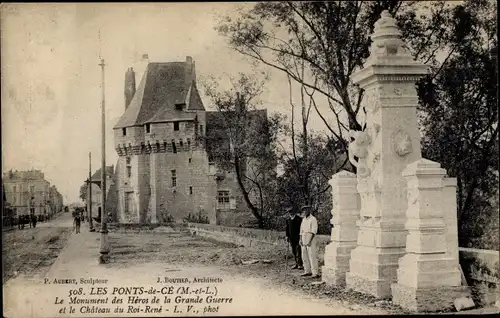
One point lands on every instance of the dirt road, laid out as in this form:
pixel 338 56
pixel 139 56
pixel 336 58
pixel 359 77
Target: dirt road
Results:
pixel 32 251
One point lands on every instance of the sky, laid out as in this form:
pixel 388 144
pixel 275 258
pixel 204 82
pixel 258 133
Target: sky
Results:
pixel 51 80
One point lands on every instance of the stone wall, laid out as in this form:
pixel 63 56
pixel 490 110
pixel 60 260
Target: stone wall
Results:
pixel 482 270
pixel 249 237
pixel 236 218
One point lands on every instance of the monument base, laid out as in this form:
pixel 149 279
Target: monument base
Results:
pixel 378 288
pixel 333 276
pixel 427 299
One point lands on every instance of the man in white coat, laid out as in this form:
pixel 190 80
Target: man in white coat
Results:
pixel 308 231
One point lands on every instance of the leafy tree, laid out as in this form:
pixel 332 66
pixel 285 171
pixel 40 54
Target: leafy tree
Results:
pixel 320 44
pixel 460 114
pixel 83 192
pixel 242 139
pixel 324 159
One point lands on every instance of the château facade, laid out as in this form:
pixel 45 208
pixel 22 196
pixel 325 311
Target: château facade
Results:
pixel 164 172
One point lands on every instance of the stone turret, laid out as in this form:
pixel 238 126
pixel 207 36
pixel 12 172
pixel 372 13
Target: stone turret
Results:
pixel 129 86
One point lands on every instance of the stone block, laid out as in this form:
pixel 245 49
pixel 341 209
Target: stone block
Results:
pixel 449 204
pixel 427 299
pixel 333 276
pixel 423 244
pixel 463 303
pixel 432 279
pixel 376 238
pixel 344 233
pixel 374 270
pixel 378 288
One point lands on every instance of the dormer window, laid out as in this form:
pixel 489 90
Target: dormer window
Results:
pixel 180 106
pixel 148 128
pixel 124 131
pixel 176 125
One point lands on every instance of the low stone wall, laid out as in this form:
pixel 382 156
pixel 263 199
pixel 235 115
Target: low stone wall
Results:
pixel 143 228
pixel 249 237
pixel 482 270
pixel 482 265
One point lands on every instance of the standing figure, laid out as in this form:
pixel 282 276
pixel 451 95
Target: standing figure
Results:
pixel 33 220
pixel 76 223
pixel 293 222
pixel 32 210
pixel 308 231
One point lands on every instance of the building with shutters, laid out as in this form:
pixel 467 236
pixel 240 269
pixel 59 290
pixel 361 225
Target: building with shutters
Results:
pixel 21 186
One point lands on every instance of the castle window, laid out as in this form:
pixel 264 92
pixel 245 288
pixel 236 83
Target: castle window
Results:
pixel 189 143
pixel 181 145
pixel 189 160
pixel 223 199
pixel 174 178
pixel 176 125
pixel 165 145
pixel 148 128
pixel 201 129
pixel 124 131
pixel 129 167
pixel 174 148
pixel 190 190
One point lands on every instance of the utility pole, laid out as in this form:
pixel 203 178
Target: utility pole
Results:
pixel 89 194
pixel 104 250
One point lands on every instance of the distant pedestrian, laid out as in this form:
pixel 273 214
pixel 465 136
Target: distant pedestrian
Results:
pixel 32 212
pixel 76 223
pixel 32 206
pixel 33 220
pixel 293 221
pixel 308 231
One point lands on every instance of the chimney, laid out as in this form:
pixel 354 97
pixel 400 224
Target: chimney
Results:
pixel 129 86
pixel 190 70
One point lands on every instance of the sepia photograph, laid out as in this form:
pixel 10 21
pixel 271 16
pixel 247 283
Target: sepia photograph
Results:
pixel 273 158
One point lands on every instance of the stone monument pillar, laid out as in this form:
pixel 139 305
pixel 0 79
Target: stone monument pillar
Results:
pixel 428 276
pixel 389 143
pixel 345 213
pixel 449 201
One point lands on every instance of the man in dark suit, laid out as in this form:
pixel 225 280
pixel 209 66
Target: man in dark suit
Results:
pixel 293 221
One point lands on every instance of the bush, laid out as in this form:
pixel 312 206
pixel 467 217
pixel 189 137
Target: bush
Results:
pixel 196 218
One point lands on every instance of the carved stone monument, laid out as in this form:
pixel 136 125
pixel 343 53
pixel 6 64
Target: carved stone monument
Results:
pixel 345 213
pixel 389 143
pixel 429 278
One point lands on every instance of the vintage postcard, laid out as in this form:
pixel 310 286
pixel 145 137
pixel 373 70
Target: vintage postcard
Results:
pixel 249 158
